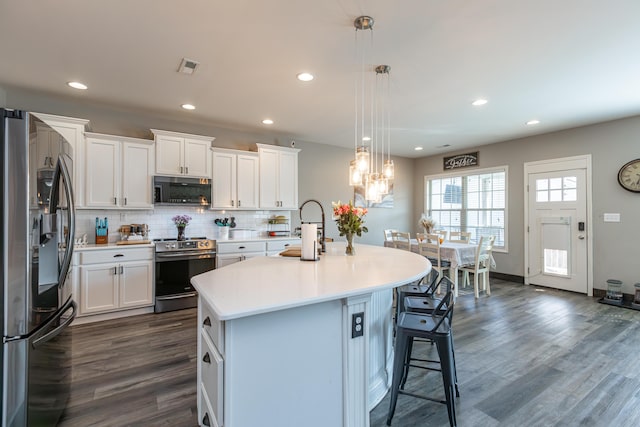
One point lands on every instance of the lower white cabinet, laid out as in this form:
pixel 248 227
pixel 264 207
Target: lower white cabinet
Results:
pixel 232 252
pixel 210 367
pixel 274 247
pixel 115 279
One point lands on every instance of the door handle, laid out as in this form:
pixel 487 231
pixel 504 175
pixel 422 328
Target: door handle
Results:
pixel 206 358
pixel 207 322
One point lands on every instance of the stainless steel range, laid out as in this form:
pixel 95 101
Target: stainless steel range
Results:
pixel 176 263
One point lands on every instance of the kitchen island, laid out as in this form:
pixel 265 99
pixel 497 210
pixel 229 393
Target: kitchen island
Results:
pixel 284 342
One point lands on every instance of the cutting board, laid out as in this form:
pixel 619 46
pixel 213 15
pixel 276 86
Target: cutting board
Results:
pixel 292 252
pixel 133 242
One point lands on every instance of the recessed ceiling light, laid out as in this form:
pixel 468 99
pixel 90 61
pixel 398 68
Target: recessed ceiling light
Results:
pixel 366 138
pixel 533 122
pixel 188 106
pixel 267 122
pixel 77 85
pixel 418 148
pixel 305 77
pixel 479 102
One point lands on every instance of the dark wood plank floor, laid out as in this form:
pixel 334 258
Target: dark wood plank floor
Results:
pixel 526 356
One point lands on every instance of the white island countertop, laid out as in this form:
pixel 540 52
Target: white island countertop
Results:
pixel 265 284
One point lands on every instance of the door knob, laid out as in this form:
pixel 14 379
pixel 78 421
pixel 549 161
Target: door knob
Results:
pixel 581 237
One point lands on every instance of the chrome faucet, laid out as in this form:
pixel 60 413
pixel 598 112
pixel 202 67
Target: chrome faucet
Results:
pixel 322 235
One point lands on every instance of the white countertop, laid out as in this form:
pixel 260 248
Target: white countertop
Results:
pixel 265 284
pixel 94 247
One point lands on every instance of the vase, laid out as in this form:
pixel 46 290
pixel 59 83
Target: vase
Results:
pixel 349 250
pixel 181 235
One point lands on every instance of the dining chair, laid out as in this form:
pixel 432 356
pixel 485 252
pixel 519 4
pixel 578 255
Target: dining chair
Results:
pixel 387 234
pixel 481 266
pixel 460 236
pixel 441 233
pixel 401 240
pixel 430 248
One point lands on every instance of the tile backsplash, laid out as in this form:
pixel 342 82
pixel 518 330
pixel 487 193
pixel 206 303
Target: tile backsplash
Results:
pixel 161 225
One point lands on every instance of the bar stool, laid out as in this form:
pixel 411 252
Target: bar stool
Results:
pixel 430 305
pixel 438 329
pixel 424 287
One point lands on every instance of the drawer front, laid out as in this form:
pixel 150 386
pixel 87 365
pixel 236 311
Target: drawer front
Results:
pixel 212 326
pixel 241 247
pixel 207 416
pixel 116 255
pixel 281 245
pixel 212 369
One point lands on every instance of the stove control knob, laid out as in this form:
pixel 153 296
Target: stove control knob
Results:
pixel 167 246
pixel 173 245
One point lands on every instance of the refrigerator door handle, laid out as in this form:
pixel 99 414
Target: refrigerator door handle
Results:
pixel 54 333
pixel 62 169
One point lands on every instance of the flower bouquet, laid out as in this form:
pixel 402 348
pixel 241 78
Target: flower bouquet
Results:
pixel 427 223
pixel 181 221
pixel 350 222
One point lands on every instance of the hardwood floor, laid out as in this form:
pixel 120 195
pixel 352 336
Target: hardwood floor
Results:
pixel 526 356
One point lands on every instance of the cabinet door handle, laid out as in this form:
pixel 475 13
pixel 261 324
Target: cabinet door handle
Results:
pixel 125 201
pixel 205 420
pixel 115 200
pixel 238 203
pixel 241 247
pixel 115 270
pixel 121 270
pixel 207 321
pixel 51 161
pixel 232 203
pixel 181 169
pixel 186 170
pixel 206 358
pixel 118 255
pixel 46 161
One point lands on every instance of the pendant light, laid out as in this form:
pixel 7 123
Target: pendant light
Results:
pixel 372 131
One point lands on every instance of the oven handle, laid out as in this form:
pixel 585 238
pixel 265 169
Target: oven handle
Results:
pixel 170 297
pixel 184 255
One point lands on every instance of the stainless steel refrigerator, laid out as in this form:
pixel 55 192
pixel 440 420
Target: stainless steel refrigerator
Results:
pixel 36 245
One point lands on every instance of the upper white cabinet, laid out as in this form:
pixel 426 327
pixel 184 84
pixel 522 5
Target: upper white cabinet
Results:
pixel 72 130
pixel 119 172
pixel 235 179
pixel 278 177
pixel 180 154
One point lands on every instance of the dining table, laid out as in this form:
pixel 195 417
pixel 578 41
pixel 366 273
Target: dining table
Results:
pixel 456 253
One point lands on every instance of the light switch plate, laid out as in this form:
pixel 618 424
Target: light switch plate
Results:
pixel 612 217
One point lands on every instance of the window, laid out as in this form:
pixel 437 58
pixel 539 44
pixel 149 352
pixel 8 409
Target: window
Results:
pixel 475 202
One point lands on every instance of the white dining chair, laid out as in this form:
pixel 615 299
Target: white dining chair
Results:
pixel 430 248
pixel 388 234
pixel 401 240
pixel 459 236
pixel 481 266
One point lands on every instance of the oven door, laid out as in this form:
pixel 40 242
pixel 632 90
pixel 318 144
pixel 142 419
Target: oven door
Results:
pixel 174 271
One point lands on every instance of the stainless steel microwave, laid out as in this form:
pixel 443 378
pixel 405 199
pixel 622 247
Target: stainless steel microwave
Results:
pixel 172 190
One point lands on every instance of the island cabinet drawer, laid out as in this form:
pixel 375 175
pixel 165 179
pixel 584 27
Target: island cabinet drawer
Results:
pixel 241 247
pixel 116 255
pixel 212 381
pixel 281 245
pixel 213 327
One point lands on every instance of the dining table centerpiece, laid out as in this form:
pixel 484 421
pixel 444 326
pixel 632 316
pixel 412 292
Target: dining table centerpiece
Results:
pixel 350 222
pixel 427 223
pixel 181 222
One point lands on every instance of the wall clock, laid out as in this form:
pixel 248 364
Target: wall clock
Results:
pixel 629 176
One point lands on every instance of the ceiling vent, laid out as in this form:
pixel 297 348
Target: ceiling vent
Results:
pixel 188 66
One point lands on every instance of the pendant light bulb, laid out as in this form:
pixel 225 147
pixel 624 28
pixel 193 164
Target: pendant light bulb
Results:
pixel 355 177
pixel 388 169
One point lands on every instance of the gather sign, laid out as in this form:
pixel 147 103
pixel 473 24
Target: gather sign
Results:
pixel 461 161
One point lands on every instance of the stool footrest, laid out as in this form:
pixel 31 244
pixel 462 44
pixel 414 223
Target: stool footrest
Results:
pixel 419 396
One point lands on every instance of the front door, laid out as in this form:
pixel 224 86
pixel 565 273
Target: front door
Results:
pixel 557 244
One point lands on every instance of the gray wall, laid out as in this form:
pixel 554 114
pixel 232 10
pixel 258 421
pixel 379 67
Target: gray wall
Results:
pixel 611 145
pixel 323 169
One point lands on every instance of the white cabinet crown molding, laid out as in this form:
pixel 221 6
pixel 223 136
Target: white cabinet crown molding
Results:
pixel 158 132
pixel 105 136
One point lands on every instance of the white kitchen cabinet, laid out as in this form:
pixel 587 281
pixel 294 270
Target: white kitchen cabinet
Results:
pixel 72 129
pixel 119 172
pixel 278 177
pixel 211 368
pixel 235 179
pixel 232 252
pixel 114 279
pixel 179 154
pixel 49 145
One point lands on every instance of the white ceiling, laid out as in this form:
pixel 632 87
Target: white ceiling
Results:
pixel 566 63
